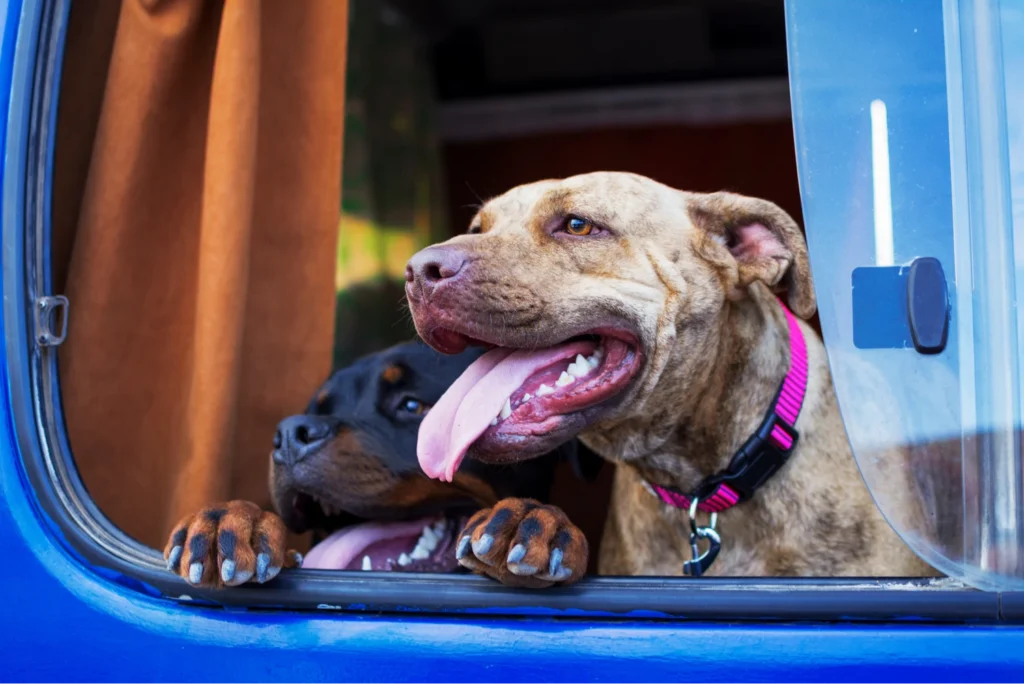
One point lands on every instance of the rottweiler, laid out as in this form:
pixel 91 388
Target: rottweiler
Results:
pixel 346 468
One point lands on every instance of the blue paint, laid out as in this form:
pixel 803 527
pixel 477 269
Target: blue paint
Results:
pixel 61 619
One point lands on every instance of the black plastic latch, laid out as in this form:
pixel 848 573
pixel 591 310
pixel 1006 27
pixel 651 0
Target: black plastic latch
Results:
pixel 927 305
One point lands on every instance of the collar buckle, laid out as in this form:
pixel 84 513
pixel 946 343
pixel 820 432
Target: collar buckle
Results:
pixel 760 457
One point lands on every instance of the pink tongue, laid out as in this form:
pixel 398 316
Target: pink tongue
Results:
pixel 338 550
pixel 472 402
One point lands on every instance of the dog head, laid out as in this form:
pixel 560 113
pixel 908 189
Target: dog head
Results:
pixel 600 296
pixel 348 464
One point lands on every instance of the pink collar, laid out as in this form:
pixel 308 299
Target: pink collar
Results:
pixel 765 452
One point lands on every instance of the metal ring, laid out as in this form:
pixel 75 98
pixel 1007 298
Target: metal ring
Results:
pixel 693 517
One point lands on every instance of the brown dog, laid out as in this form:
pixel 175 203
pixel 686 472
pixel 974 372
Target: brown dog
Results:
pixel 660 302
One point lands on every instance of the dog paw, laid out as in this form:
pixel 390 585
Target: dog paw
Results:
pixel 229 544
pixel 523 543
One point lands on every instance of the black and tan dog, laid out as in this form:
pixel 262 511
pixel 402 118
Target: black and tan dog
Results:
pixel 347 469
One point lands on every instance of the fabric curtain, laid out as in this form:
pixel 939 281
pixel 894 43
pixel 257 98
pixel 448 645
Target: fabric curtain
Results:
pixel 197 189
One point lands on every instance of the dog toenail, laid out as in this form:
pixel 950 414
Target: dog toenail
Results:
pixel 463 548
pixel 556 560
pixel 174 558
pixel 483 544
pixel 298 559
pixel 517 553
pixel 563 573
pixel 195 573
pixel 522 569
pixel 227 570
pixel 262 566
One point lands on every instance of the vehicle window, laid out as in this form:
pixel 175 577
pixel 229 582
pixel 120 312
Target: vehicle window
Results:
pixel 913 216
pixel 896 141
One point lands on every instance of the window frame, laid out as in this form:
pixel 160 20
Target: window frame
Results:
pixel 88 536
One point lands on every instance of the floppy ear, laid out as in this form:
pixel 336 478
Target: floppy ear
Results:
pixel 764 242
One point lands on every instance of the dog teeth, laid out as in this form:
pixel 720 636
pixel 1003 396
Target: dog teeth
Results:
pixel 506 410
pixel 527 397
pixel 579 368
pixel 404 560
pixel 367 565
pixel 427 542
pixel 564 379
pixel 544 391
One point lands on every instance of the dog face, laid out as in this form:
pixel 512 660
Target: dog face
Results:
pixel 603 298
pixel 350 457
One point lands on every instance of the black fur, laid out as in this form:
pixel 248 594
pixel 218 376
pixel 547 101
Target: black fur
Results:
pixel 368 405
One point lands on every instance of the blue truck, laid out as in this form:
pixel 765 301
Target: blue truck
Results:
pixel 909 129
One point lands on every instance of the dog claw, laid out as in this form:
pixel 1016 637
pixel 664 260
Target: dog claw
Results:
pixel 298 558
pixel 562 574
pixel 556 561
pixel 483 545
pixel 174 558
pixel 195 573
pixel 517 553
pixel 227 571
pixel 463 549
pixel 262 567
pixel 522 569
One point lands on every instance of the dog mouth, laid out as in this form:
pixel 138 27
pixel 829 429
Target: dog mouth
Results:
pixel 424 544
pixel 515 404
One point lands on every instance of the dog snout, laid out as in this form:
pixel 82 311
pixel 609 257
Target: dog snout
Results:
pixel 434 266
pixel 299 436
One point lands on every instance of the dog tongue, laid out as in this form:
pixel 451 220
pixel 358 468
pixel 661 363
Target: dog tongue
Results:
pixel 471 403
pixel 337 551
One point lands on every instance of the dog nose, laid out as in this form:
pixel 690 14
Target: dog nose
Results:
pixel 431 266
pixel 299 436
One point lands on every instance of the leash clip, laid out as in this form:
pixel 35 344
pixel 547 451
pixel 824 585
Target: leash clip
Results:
pixel 700 562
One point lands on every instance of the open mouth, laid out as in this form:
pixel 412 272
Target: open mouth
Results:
pixel 426 544
pixel 514 404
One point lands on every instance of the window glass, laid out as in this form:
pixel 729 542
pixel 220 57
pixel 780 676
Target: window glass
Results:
pixel 911 157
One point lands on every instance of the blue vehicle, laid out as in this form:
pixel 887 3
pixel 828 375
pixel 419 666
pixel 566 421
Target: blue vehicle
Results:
pixel 910 147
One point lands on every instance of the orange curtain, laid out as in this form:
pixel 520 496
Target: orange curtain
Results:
pixel 196 210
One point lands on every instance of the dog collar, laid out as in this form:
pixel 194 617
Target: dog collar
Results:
pixel 761 455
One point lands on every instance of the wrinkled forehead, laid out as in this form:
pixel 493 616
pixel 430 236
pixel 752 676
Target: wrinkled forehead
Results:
pixel 617 200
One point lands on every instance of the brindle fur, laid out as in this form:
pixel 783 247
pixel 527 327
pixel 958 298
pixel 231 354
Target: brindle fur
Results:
pixel 693 275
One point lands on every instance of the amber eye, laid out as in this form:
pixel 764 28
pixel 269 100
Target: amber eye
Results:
pixel 414 406
pixel 578 226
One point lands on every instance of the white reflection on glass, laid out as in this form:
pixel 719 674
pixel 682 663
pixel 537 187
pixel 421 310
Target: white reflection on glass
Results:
pixel 882 188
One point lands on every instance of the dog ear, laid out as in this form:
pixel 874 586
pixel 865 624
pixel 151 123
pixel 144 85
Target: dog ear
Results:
pixel 764 242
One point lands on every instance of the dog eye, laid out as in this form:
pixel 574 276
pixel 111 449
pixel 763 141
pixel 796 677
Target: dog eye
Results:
pixel 474 230
pixel 413 406
pixel 579 227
